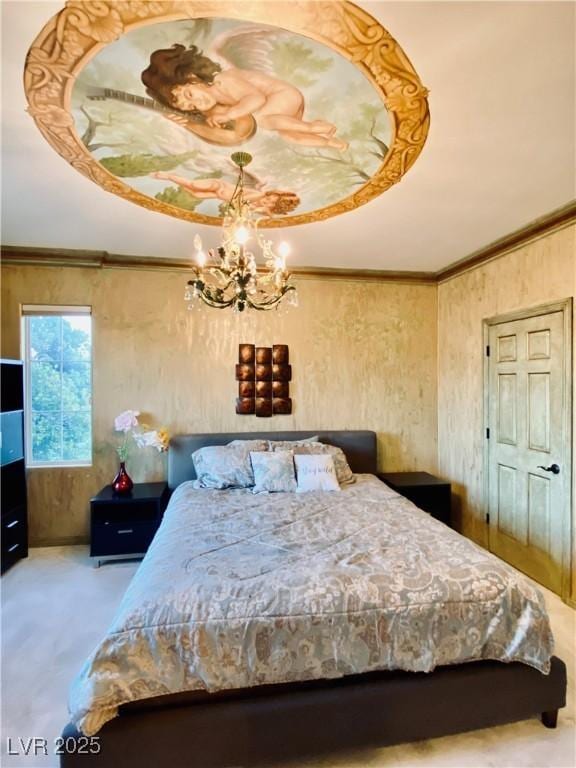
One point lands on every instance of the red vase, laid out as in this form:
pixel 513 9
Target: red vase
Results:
pixel 122 483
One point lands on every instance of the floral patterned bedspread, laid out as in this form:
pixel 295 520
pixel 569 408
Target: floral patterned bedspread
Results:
pixel 239 590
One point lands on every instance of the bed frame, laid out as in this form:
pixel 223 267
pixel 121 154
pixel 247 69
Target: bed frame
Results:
pixel 271 724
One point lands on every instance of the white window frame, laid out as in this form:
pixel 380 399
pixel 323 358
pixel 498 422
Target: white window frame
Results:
pixel 31 310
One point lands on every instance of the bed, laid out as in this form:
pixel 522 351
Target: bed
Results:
pixel 297 624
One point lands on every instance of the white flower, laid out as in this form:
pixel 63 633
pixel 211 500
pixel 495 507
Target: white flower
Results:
pixel 126 421
pixel 149 440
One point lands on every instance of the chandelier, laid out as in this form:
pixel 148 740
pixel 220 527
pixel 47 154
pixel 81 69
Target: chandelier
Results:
pixel 229 276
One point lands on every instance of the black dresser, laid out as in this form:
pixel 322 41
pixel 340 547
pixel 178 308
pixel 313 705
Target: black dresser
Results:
pixel 14 506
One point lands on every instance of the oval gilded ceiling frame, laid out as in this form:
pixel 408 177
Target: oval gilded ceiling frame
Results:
pixel 84 27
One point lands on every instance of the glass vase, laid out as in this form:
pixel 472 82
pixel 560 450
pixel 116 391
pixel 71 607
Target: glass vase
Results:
pixel 122 483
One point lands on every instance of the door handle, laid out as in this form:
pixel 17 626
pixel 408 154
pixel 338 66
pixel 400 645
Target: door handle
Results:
pixel 554 468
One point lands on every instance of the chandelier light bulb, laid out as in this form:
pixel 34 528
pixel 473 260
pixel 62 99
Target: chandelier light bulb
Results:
pixel 283 250
pixel 242 235
pixel 200 256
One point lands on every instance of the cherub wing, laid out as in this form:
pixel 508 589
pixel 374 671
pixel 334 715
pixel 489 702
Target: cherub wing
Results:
pixel 246 47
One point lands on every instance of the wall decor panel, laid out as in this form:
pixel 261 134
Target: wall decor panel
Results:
pixel 271 368
pixel 247 353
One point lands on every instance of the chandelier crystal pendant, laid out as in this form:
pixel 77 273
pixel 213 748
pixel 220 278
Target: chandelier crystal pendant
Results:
pixel 229 276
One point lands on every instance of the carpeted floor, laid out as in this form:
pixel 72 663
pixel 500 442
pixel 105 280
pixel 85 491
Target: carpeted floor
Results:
pixel 56 606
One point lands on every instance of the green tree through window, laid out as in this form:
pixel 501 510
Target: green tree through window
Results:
pixel 59 360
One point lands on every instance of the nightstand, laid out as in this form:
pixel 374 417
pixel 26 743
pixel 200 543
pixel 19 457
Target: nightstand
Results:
pixel 124 526
pixel 426 491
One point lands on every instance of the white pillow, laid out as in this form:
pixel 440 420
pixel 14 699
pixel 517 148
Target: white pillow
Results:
pixel 315 473
pixel 273 472
pixel 344 474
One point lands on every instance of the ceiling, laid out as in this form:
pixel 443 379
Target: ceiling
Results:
pixel 500 153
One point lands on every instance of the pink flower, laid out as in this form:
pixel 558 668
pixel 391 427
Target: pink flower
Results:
pixel 126 421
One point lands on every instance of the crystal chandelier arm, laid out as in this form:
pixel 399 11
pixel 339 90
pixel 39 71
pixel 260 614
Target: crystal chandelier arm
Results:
pixel 219 304
pixel 270 303
pixel 224 275
pixel 214 293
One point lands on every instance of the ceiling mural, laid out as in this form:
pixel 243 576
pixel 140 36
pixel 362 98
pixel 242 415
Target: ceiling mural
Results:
pixel 149 99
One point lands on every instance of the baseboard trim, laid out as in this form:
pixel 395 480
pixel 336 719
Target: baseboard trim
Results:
pixel 58 541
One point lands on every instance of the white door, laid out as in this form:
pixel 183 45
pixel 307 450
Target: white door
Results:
pixel 529 445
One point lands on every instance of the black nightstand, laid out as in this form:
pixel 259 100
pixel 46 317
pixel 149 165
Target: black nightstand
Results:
pixel 124 526
pixel 426 491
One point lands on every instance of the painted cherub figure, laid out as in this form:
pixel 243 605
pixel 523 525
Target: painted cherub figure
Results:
pixel 187 80
pixel 268 202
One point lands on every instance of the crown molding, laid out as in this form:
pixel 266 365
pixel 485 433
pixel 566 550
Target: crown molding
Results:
pixel 544 225
pixel 63 257
pixel 363 275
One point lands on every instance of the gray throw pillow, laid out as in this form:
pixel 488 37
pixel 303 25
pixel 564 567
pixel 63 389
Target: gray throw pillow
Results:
pixel 287 445
pixel 273 472
pixel 225 466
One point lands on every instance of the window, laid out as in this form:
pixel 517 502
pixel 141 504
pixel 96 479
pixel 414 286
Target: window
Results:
pixel 58 364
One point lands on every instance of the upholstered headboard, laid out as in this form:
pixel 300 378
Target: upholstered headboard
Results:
pixel 358 445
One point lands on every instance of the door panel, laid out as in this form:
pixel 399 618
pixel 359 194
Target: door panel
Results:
pixel 539 345
pixel 507 348
pixel 526 417
pixel 507 408
pixel 539 412
pixel 506 499
pixel 539 511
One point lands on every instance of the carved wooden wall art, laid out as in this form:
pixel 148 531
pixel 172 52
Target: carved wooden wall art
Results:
pixel 263 375
pixel 100 91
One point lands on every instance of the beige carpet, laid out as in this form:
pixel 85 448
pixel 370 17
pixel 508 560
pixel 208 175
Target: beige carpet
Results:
pixel 56 606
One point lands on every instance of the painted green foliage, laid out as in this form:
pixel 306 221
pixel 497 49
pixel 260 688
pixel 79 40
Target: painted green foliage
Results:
pixel 178 197
pixel 141 165
pixel 295 62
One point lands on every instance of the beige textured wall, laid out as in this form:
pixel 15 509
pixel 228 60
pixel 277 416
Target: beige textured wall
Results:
pixel 539 272
pixel 363 356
